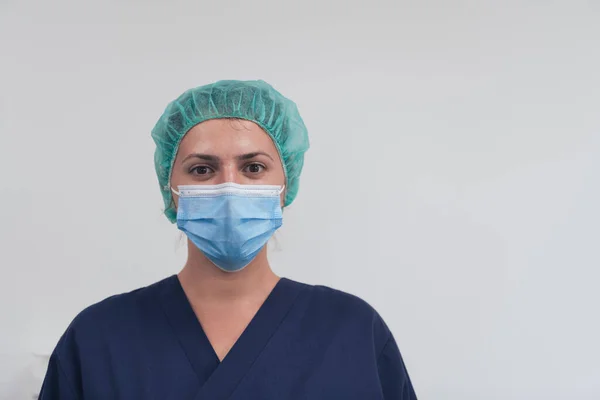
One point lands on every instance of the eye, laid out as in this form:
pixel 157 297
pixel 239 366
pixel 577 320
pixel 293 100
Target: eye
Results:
pixel 201 170
pixel 254 168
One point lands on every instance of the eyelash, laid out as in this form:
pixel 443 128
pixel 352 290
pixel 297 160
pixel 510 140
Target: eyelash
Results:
pixel 263 168
pixel 195 168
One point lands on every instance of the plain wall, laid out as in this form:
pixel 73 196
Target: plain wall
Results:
pixel 453 179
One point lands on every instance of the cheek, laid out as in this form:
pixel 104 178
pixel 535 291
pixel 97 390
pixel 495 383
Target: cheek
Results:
pixel 176 176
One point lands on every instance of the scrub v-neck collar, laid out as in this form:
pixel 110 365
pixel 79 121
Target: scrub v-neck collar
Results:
pixel 217 379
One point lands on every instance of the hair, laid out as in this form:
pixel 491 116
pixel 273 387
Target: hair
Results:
pixel 238 122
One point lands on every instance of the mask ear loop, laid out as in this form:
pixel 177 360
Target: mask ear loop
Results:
pixel 282 190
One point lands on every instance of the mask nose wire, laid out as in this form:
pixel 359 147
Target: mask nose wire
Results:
pixel 179 193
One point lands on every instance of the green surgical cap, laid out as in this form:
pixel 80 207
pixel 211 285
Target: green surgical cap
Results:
pixel 254 101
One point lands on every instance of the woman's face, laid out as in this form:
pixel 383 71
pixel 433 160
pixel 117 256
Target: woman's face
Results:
pixel 225 150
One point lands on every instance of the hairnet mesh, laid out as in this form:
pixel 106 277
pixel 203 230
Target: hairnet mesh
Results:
pixel 254 101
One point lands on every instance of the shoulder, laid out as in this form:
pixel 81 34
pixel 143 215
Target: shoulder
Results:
pixel 115 314
pixel 344 302
pixel 100 324
pixel 350 312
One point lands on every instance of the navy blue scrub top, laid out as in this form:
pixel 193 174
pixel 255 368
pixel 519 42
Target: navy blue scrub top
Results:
pixel 305 342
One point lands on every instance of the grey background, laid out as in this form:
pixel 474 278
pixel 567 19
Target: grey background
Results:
pixel 453 179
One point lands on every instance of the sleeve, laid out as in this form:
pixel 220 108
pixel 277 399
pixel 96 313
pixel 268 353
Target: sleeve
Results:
pixel 56 385
pixel 395 382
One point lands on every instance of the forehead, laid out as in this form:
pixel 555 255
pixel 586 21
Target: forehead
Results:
pixel 227 137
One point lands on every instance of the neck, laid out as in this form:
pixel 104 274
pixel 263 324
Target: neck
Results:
pixel 203 281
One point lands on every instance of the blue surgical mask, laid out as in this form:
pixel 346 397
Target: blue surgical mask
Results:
pixel 229 223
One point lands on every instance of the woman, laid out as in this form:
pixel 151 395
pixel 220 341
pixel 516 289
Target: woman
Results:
pixel 228 158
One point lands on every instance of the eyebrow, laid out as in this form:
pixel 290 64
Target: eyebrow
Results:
pixel 205 157
pixel 249 156
pixel 211 158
